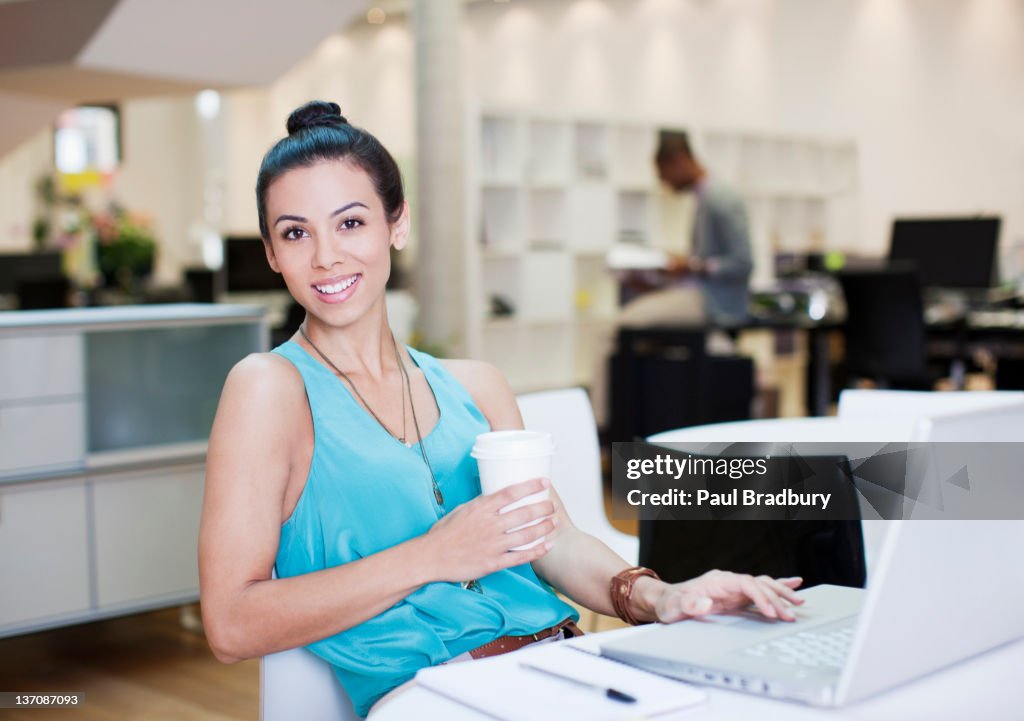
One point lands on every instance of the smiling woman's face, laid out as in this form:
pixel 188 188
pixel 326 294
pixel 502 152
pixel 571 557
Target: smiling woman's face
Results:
pixel 331 240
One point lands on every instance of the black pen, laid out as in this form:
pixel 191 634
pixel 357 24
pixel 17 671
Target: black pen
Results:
pixel 611 693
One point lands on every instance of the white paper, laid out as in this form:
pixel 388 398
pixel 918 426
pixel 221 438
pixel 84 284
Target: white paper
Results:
pixel 626 256
pixel 501 688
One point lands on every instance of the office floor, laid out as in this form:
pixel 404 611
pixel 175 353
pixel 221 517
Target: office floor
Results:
pixel 144 667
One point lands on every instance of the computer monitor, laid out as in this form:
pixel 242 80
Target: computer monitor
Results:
pixel 18 267
pixel 948 252
pixel 246 268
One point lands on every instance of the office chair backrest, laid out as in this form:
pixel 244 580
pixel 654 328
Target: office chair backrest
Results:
pixel 566 414
pixel 298 684
pixel 885 328
pixel 826 551
pixel 995 424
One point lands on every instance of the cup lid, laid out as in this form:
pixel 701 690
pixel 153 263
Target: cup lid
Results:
pixel 513 444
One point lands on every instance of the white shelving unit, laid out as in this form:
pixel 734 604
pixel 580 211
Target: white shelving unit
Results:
pixel 549 194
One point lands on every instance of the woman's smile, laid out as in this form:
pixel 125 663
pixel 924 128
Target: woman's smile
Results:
pixel 337 289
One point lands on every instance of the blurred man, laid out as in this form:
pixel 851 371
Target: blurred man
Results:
pixel 721 259
pixel 708 287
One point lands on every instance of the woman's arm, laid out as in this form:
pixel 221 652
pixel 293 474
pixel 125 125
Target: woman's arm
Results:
pixel 578 565
pixel 581 566
pixel 262 438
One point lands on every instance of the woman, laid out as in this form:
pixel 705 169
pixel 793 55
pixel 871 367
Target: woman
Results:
pixel 342 459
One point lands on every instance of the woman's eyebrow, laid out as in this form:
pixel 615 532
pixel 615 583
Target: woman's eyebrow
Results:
pixel 353 204
pixel 296 218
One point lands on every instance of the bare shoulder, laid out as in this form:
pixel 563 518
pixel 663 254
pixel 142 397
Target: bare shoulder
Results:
pixel 490 390
pixel 262 377
pixel 263 396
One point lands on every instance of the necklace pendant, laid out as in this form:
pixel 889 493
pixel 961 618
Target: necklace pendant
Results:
pixel 438 497
pixel 407 444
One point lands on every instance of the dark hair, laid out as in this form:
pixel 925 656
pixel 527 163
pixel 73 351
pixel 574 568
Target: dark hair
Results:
pixel 671 143
pixel 317 132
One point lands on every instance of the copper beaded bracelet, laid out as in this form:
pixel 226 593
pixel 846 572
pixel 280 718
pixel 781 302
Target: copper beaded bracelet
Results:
pixel 622 590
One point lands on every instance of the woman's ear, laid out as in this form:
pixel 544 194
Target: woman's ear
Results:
pixel 400 228
pixel 268 248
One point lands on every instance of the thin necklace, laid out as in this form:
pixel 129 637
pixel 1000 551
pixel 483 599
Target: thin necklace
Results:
pixel 406 389
pixel 438 496
pixel 339 371
pixel 474 584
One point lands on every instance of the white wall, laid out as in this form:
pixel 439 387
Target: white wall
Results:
pixel 19 170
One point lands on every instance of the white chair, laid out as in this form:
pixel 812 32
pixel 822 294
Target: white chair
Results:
pixel 856 404
pixel 298 684
pixel 997 423
pixel 567 415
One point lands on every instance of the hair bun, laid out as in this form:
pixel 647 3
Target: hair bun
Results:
pixel 316 113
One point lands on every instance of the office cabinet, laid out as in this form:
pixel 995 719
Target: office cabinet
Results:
pixel 44 436
pixel 44 569
pixel 42 427
pixel 40 366
pixel 147 532
pixel 104 418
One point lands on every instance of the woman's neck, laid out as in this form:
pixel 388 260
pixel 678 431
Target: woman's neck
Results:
pixel 365 347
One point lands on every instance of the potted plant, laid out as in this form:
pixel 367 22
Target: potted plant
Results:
pixel 125 248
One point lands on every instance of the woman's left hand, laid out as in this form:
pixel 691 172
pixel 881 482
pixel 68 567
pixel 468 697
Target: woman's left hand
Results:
pixel 722 591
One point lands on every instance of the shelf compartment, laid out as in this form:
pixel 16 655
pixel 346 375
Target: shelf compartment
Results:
pixel 546 217
pixel 633 156
pixel 501 153
pixel 502 219
pixel 635 217
pixel 547 158
pixel 547 285
pixel 592 152
pixel 592 222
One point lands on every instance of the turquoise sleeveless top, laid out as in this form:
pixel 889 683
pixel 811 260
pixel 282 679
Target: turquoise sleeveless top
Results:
pixel 366 492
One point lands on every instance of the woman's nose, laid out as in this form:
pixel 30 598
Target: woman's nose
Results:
pixel 327 252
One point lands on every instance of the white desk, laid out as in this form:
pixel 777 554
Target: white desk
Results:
pixel 986 687
pixel 794 430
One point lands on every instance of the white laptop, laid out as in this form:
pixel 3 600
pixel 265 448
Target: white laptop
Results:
pixel 943 591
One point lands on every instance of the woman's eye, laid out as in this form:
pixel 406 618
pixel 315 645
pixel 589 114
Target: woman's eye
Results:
pixel 351 223
pixel 293 233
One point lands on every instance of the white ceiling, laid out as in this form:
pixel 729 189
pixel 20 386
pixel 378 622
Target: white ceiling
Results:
pixel 214 42
pixel 57 53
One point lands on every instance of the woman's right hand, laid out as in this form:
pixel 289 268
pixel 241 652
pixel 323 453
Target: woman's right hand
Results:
pixel 472 541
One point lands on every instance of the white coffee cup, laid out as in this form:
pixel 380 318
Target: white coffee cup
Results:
pixel 509 457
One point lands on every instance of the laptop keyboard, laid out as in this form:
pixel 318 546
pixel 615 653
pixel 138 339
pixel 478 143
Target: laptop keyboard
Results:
pixel 815 649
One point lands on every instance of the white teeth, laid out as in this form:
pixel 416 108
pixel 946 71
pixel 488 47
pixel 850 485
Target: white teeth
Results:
pixel 336 287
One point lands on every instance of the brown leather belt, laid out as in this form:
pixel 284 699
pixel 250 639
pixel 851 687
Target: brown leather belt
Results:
pixel 505 644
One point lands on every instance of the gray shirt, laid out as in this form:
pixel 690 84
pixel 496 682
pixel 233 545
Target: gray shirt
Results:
pixel 721 238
